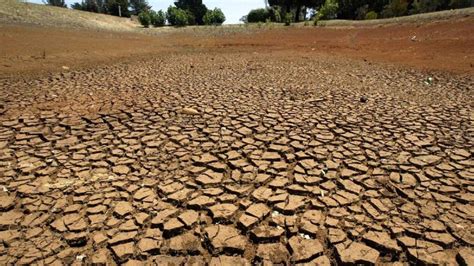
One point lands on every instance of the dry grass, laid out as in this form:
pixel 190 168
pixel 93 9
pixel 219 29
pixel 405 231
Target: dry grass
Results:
pixel 14 12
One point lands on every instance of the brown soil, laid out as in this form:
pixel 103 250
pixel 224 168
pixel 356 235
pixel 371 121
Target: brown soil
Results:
pixel 285 146
pixel 447 45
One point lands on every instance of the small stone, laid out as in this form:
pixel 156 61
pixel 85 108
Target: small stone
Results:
pixel 189 111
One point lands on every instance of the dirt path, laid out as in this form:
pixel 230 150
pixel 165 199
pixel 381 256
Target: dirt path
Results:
pixel 236 150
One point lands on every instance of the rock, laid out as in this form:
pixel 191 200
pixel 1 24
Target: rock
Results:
pixel 189 111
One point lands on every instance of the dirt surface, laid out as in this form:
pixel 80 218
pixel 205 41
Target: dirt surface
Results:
pixel 283 147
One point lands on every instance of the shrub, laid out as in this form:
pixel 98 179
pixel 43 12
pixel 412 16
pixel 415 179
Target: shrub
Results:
pixel 145 19
pixel 214 17
pixel 328 10
pixel 275 14
pixel 371 15
pixel 158 19
pixel 395 8
pixel 258 15
pixel 288 18
pixel 176 16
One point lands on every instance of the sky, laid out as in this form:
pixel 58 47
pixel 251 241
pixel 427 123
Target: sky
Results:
pixel 233 9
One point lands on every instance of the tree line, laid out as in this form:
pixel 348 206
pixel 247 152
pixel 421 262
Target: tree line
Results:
pixel 184 12
pixel 298 10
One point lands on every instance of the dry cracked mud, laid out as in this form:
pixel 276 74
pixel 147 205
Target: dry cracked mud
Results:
pixel 236 159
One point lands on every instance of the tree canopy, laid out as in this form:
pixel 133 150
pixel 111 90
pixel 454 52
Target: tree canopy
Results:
pixel 351 9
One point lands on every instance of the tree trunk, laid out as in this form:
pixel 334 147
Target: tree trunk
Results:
pixel 297 13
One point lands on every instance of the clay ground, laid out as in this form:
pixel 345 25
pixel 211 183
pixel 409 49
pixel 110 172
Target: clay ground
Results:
pixel 286 145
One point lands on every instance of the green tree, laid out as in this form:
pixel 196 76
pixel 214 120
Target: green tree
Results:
pixel 59 3
pixel 139 6
pixel 195 9
pixel 97 6
pixel 176 16
pixel 258 15
pixel 371 15
pixel 214 17
pixel 460 3
pixel 395 8
pixel 145 18
pixel 113 7
pixel 158 19
pixel 328 10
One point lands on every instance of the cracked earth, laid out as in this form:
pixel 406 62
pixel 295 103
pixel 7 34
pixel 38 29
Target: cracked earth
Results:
pixel 237 158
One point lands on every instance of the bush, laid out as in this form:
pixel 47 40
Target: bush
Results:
pixel 258 15
pixel 158 19
pixel 288 18
pixel 371 15
pixel 145 19
pixel 177 17
pixel 275 14
pixel 214 17
pixel 328 10
pixel 395 8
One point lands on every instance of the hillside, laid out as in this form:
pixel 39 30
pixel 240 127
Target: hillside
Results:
pixel 15 12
